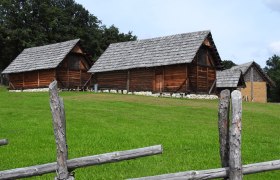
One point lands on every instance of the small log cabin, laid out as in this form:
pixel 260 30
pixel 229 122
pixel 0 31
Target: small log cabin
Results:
pixel 184 63
pixel 257 82
pixel 37 67
pixel 230 79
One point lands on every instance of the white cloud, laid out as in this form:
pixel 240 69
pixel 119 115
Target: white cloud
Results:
pixel 273 4
pixel 274 47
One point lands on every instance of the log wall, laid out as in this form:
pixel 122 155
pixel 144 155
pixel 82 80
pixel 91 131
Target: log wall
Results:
pixel 32 79
pixel 201 78
pixel 112 80
pixel 72 72
pixel 142 79
pixel 175 78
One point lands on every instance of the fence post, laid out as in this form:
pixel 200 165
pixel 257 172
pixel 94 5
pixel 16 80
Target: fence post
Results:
pixel 223 124
pixel 59 125
pixel 3 142
pixel 235 164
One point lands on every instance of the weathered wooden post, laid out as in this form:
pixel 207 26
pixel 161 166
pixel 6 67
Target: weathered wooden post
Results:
pixel 235 164
pixel 3 142
pixel 59 125
pixel 223 124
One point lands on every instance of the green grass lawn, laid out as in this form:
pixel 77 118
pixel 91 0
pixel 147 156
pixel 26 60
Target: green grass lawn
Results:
pixel 100 123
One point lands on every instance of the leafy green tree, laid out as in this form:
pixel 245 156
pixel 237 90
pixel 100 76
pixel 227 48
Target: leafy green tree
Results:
pixel 272 69
pixel 29 23
pixel 227 64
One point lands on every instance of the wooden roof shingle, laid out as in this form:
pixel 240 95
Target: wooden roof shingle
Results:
pixel 175 49
pixel 230 79
pixel 41 57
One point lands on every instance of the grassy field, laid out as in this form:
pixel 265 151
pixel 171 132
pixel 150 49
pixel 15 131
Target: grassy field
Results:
pixel 100 123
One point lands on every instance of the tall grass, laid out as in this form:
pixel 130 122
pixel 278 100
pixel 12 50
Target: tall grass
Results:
pixel 100 123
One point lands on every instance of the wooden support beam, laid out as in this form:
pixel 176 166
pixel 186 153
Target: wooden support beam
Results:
pixel 211 89
pixel 187 78
pixel 216 173
pixel 252 83
pixel 59 126
pixel 223 124
pixel 4 142
pixel 128 81
pixel 23 84
pixel 81 162
pixel 38 79
pixel 235 164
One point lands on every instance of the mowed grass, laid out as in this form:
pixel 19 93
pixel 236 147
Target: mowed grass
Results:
pixel 100 123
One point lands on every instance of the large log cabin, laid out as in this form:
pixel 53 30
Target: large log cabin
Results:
pixel 184 63
pixel 37 67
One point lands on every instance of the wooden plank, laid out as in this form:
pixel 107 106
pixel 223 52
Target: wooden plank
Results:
pixel 223 124
pixel 23 80
pixel 214 82
pixel 81 162
pixel 128 80
pixel 187 78
pixel 38 78
pixel 216 173
pixel 235 164
pixel 59 126
pixel 252 83
pixel 3 142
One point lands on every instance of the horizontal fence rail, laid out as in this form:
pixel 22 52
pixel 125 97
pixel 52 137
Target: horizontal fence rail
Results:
pixel 81 162
pixel 4 142
pixel 216 173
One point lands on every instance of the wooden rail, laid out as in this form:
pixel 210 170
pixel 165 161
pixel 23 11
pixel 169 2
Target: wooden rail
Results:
pixel 216 173
pixel 3 142
pixel 81 162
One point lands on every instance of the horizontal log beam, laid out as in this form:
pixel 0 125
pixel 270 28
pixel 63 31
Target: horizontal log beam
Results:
pixel 216 173
pixel 81 162
pixel 3 142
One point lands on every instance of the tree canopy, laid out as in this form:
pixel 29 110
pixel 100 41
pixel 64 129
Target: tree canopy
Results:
pixel 227 64
pixel 29 23
pixel 272 68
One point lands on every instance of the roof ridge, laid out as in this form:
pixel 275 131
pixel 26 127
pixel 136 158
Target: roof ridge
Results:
pixel 78 39
pixel 162 37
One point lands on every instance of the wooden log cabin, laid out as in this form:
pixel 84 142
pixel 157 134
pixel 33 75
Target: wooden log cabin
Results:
pixel 257 82
pixel 184 63
pixel 37 67
pixel 230 79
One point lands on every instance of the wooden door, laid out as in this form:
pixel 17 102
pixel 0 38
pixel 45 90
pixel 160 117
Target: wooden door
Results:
pixel 159 83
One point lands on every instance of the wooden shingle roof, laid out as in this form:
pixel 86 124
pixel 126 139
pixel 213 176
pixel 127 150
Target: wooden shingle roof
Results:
pixel 168 50
pixel 230 79
pixel 42 57
pixel 245 69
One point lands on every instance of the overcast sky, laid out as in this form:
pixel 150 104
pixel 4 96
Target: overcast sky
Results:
pixel 242 30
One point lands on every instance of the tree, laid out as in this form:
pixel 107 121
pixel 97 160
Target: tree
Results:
pixel 227 64
pixel 272 69
pixel 29 23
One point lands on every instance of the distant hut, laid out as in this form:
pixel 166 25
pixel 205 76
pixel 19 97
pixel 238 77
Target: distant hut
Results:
pixel 257 82
pixel 230 79
pixel 37 67
pixel 182 63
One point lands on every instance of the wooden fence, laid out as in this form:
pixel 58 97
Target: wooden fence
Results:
pixel 63 166
pixel 230 147
pixel 229 138
pixel 3 142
